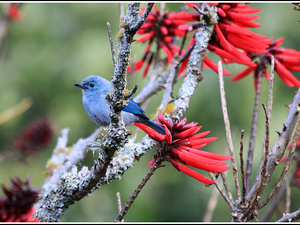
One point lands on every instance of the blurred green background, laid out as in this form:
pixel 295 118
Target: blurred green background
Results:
pixel 58 44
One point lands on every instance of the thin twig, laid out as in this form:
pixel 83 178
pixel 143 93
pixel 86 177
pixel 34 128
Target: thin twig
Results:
pixel 139 23
pixel 112 47
pixel 280 145
pixel 253 131
pixel 121 12
pixel 257 194
pixel 277 197
pixel 226 187
pixel 288 196
pixel 220 190
pixel 286 166
pixel 136 192
pixel 290 217
pixel 270 103
pixel 228 132
pixel 119 203
pixel 271 88
pixel 242 168
pixel 183 42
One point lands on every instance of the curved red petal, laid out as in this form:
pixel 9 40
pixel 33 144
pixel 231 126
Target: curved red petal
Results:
pixel 191 173
pixel 210 154
pixel 214 66
pixel 243 74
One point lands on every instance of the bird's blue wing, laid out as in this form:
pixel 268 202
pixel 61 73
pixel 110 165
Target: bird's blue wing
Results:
pixel 134 108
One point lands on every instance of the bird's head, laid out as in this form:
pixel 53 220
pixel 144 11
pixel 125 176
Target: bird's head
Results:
pixel 93 84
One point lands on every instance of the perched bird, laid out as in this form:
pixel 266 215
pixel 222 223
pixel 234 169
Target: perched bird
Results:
pixel 94 90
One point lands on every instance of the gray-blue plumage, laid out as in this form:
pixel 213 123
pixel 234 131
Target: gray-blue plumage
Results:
pixel 94 90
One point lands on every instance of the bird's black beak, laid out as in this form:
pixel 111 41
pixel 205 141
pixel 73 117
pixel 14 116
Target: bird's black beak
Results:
pixel 80 85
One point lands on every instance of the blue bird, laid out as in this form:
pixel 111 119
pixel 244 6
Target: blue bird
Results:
pixel 94 90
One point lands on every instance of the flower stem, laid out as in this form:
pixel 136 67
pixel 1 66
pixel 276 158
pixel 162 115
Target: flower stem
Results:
pixel 253 131
pixel 136 192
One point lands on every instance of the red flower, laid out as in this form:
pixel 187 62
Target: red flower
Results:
pixel 285 60
pixel 180 147
pixel 36 136
pixel 230 34
pixel 18 205
pixel 162 29
pixel 14 12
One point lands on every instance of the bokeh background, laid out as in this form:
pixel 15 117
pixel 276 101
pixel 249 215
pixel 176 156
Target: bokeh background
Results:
pixel 56 45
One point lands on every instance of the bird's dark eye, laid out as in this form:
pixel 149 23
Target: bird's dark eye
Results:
pixel 92 85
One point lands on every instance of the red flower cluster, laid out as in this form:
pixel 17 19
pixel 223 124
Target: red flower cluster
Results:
pixel 231 34
pixel 18 205
pixel 285 60
pixel 14 12
pixel 180 147
pixel 36 136
pixel 162 29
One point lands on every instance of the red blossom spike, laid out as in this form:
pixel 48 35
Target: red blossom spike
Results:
pixel 168 134
pixel 214 66
pixel 245 10
pixel 187 133
pixel 225 7
pixel 202 141
pixel 190 156
pixel 180 125
pixel 14 12
pixel 252 41
pixel 247 44
pixel 145 26
pixel 243 74
pixel 151 132
pixel 168 53
pixel 286 75
pixel 225 54
pixel 148 65
pixel 199 135
pixel 171 123
pixel 145 37
pixel 206 167
pixel 191 173
pixel 195 142
pixel 151 163
pixel 189 126
pixel 174 49
pixel 286 51
pixel 278 42
pixel 233 28
pixel 241 5
pixel 164 30
pixel 267 75
pixel 210 154
pixel 223 42
pixel 288 59
pixel 221 12
pixel 230 48
pixel 185 16
pixel 191 5
pixel 213 3
pixel 246 23
pixel 168 38
pixel 237 16
pixel 163 121
pixel 156 9
pixel 293 68
pixel 150 17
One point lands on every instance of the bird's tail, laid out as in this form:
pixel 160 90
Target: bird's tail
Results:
pixel 152 125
